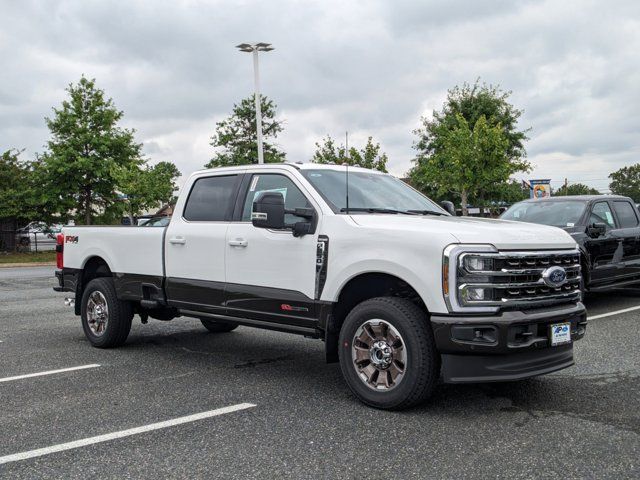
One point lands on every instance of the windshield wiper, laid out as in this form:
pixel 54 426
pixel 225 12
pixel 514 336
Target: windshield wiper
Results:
pixel 377 210
pixel 426 212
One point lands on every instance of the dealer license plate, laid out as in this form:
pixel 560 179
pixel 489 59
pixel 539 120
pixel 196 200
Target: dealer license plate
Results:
pixel 560 334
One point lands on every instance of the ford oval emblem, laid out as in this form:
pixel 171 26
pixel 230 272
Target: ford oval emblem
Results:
pixel 555 276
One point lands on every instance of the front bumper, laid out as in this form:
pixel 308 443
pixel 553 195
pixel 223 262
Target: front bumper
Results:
pixel 509 346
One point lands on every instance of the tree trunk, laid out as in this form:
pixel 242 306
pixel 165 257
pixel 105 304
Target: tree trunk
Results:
pixel 463 201
pixel 87 207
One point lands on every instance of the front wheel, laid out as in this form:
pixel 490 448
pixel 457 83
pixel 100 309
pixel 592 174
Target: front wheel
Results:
pixel 387 353
pixel 106 320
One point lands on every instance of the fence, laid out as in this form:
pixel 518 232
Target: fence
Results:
pixel 22 241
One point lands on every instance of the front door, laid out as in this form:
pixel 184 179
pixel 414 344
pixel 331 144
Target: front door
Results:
pixel 606 251
pixel 629 232
pixel 271 274
pixel 195 245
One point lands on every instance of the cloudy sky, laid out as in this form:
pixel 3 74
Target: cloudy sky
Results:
pixel 372 68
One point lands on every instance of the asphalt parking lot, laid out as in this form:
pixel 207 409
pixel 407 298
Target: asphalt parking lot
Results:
pixel 290 414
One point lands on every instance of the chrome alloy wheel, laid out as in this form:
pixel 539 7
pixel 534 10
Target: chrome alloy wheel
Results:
pixel 379 355
pixel 97 313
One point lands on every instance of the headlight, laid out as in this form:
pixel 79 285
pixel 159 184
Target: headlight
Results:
pixel 476 294
pixel 478 264
pixel 466 282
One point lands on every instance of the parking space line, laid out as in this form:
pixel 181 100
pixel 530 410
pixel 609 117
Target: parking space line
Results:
pixel 617 312
pixel 48 372
pixel 123 433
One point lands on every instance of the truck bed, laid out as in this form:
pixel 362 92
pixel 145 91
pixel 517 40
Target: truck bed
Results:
pixel 126 249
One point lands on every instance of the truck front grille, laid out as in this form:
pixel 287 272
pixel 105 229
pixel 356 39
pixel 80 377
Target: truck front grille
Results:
pixel 487 280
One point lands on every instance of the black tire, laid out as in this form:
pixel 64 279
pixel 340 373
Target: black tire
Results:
pixel 215 326
pixel 120 314
pixel 422 368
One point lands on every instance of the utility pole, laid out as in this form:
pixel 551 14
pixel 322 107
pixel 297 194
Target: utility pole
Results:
pixel 566 186
pixel 255 48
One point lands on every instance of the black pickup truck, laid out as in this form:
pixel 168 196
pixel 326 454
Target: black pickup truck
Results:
pixel 606 227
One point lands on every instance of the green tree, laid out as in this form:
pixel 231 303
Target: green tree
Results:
pixel 576 189
pixel 147 188
pixel 470 163
pixel 18 194
pixel 626 181
pixel 86 155
pixel 236 138
pixel 471 147
pixel 367 157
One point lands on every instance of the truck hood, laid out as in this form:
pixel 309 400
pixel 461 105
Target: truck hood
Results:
pixel 503 234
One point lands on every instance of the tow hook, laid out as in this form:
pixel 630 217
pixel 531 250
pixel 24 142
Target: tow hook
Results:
pixel 69 302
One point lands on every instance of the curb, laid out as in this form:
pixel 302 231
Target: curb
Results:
pixel 30 264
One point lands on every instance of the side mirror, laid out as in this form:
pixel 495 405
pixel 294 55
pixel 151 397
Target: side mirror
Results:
pixel 268 211
pixel 596 229
pixel 449 207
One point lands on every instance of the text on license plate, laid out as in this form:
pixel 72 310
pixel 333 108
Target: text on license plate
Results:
pixel 560 333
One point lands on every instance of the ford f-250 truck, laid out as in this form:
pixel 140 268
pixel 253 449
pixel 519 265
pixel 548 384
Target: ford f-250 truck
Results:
pixel 400 292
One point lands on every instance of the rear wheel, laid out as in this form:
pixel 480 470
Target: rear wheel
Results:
pixel 106 321
pixel 215 326
pixel 387 353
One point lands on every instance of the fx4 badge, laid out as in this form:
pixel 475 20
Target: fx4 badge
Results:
pixel 71 239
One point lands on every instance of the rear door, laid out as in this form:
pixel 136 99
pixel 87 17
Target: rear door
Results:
pixel 195 244
pixel 271 274
pixel 629 232
pixel 605 251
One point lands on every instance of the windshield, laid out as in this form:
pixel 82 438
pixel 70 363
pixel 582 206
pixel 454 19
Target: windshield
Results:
pixel 368 191
pixel 556 214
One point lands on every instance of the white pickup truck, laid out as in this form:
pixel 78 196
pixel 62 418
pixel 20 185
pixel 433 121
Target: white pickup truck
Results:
pixel 401 293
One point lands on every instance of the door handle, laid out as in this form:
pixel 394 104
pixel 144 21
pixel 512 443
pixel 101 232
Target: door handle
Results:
pixel 238 242
pixel 178 240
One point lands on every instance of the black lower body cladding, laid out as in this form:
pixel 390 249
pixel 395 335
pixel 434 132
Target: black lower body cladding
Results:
pixel 510 346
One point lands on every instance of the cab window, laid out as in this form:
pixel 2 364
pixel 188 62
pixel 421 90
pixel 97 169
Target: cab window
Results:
pixel 210 199
pixel 601 213
pixel 626 214
pixel 273 182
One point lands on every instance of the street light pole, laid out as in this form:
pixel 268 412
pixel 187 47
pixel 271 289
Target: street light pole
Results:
pixel 256 73
pixel 255 48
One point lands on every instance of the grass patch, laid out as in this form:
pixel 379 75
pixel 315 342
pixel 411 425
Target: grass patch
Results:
pixel 27 257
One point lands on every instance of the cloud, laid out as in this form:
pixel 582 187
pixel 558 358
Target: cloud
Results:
pixel 372 68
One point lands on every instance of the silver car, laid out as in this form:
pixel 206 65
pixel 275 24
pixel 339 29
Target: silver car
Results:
pixel 37 237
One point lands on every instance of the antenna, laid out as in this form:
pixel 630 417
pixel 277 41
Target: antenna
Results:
pixel 347 175
pixel 346 149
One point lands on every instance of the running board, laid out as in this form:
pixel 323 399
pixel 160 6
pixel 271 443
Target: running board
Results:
pixel 610 286
pixel 150 304
pixel 249 322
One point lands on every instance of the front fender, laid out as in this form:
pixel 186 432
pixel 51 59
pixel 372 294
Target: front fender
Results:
pixel 428 286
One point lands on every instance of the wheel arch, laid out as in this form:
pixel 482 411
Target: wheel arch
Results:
pixel 357 289
pixel 93 267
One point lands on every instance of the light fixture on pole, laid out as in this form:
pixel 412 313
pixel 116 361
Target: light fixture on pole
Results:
pixel 255 48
